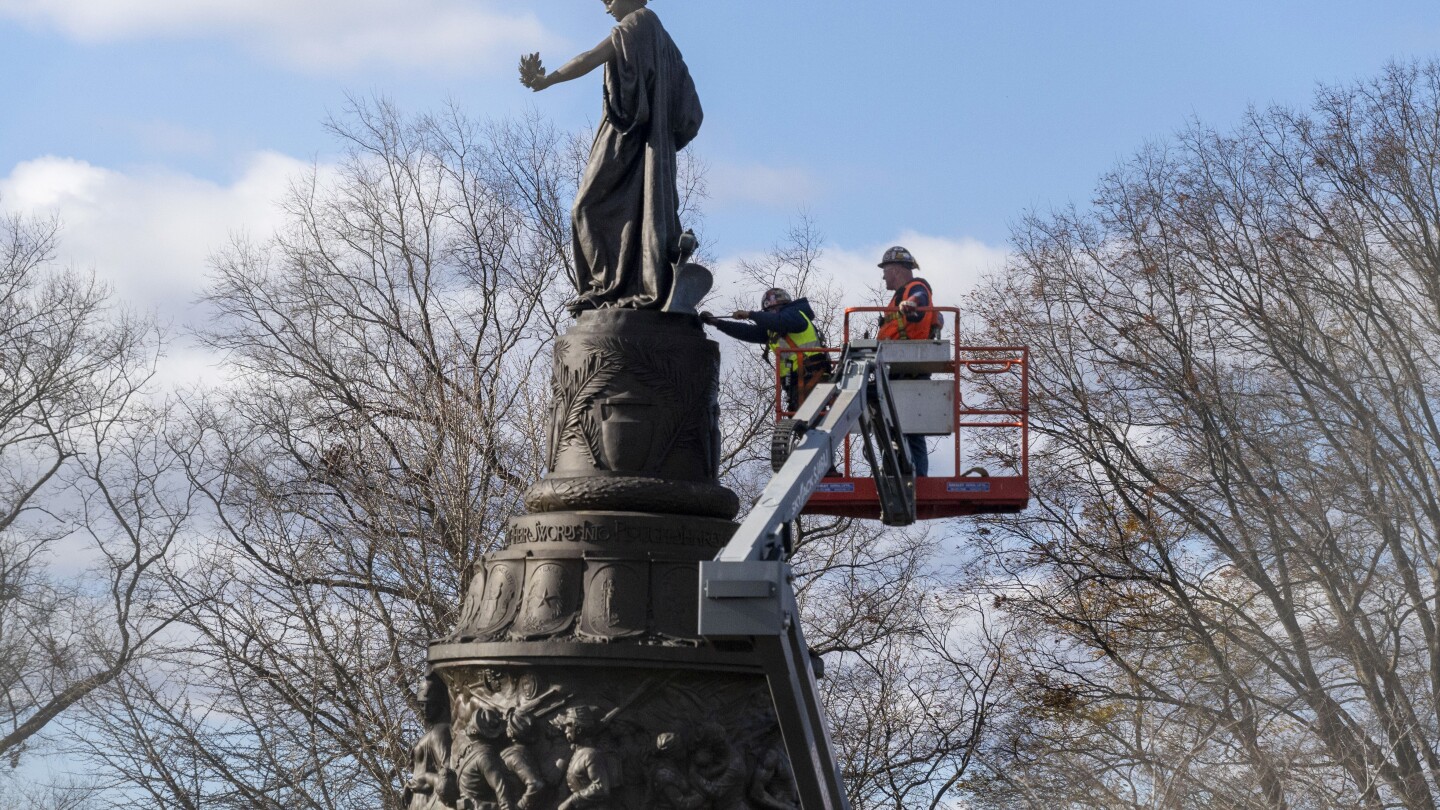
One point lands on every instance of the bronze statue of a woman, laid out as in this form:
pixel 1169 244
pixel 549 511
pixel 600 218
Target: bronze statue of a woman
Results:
pixel 626 219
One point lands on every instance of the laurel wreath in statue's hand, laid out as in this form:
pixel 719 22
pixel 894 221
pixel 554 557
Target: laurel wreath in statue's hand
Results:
pixel 532 73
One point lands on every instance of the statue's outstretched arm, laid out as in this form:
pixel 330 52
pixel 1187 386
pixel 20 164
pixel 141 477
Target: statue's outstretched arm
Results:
pixel 536 79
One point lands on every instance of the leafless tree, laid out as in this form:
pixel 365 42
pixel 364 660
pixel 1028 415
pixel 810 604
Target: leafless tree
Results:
pixel 87 516
pixel 1226 595
pixel 66 793
pixel 389 363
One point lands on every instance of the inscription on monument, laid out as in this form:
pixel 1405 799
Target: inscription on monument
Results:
pixel 618 531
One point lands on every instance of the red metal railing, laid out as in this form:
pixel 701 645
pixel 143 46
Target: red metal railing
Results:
pixel 955 494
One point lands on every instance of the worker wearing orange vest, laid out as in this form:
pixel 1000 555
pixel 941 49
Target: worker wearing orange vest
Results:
pixel 906 321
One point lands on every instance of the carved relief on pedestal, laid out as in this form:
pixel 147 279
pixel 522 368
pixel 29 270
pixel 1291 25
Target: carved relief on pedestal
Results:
pixel 551 599
pixel 617 598
pixel 592 577
pixel 493 598
pixel 596 599
pixel 634 405
pixel 557 738
pixel 634 417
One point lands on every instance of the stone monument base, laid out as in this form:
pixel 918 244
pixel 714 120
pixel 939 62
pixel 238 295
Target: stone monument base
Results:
pixel 575 676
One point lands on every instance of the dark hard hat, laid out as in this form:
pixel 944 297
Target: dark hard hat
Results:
pixel 899 255
pixel 773 297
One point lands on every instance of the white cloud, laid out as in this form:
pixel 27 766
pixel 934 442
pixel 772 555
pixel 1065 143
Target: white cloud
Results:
pixel 316 35
pixel 951 265
pixel 150 234
pixel 754 184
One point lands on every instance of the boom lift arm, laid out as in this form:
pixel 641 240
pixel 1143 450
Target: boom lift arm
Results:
pixel 746 592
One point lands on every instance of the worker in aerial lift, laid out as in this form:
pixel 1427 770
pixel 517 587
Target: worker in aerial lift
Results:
pixel 909 320
pixel 783 323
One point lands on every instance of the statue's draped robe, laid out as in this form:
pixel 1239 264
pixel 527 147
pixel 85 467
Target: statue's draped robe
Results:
pixel 626 219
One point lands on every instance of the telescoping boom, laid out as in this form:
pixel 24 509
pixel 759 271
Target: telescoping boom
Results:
pixel 747 593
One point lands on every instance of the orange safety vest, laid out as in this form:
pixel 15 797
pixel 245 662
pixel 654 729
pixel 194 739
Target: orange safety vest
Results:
pixel 897 327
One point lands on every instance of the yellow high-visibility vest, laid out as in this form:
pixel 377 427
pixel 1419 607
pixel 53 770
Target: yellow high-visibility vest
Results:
pixel 808 338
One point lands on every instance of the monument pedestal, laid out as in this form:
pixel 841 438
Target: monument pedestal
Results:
pixel 575 675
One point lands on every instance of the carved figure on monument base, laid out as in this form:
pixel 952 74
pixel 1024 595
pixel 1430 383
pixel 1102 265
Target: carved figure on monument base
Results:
pixel 577 737
pixel 433 785
pixel 670 788
pixel 523 730
pixel 718 770
pixel 591 774
pixel 498 760
pixel 772 786
pixel 485 782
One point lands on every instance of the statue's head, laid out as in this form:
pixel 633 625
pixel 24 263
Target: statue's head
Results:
pixel 520 725
pixel 620 9
pixel 488 724
pixel 434 700
pixel 579 723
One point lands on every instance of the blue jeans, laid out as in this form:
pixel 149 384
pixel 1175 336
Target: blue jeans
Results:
pixel 919 453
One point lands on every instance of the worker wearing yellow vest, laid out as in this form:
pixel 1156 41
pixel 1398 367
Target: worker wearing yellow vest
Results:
pixel 782 323
pixel 907 319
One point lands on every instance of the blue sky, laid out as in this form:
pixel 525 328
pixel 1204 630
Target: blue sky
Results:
pixel 155 128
